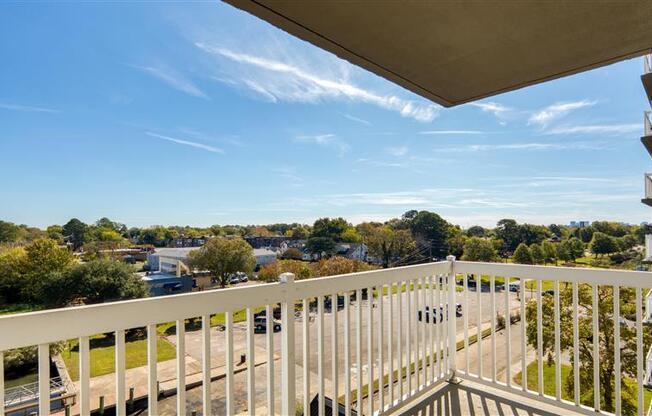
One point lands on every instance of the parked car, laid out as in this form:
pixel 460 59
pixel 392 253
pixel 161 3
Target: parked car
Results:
pixel 234 279
pixel 260 324
pixel 438 313
pixel 276 312
pixel 514 287
pixel 242 276
pixel 340 303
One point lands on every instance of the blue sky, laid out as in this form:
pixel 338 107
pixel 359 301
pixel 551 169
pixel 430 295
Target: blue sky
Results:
pixel 199 114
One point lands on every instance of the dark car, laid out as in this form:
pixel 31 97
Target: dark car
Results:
pixel 260 324
pixel 340 303
pixel 438 313
pixel 276 313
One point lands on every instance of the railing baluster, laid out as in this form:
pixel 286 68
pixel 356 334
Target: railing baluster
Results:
pixel 424 328
pixel 206 364
pixel 390 343
pixel 358 350
pixel 320 355
pixel 370 347
pixel 436 316
pixel 452 326
pixel 521 289
pixel 347 354
pixel 465 312
pixel 399 338
pixel 120 405
pixel 181 367
pixel 478 290
pixel 44 379
pixel 576 347
pixel 618 374
pixel 417 329
pixel 84 376
pixel 334 366
pixel 539 338
pixel 381 361
pixel 444 327
pixel 306 362
pixel 269 345
pixel 639 350
pixel 508 334
pixel 492 290
pixel 2 384
pixel 408 337
pixel 557 344
pixel 228 341
pixel 429 322
pixel 596 350
pixel 288 363
pixel 251 362
pixel 152 383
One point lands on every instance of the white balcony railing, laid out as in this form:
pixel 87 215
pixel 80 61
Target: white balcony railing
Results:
pixel 648 185
pixel 647 64
pixel 381 332
pixel 647 123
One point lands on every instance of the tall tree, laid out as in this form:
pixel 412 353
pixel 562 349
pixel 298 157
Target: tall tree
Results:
pixel 387 244
pixel 522 254
pixel 603 244
pixel 537 254
pixel 508 231
pixel 9 232
pixel 223 257
pixel 320 246
pixel 76 232
pixel 479 249
pixel 332 228
pixel 430 232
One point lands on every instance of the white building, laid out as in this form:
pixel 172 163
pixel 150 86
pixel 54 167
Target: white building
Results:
pixel 264 256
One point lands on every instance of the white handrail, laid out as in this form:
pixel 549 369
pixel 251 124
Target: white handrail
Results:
pixel 647 123
pixel 647 64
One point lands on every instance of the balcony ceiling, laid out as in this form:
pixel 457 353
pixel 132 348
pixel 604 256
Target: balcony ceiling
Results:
pixel 456 52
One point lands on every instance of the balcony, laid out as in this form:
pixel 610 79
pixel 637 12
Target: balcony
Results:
pixel 647 132
pixel 407 340
pixel 648 189
pixel 646 78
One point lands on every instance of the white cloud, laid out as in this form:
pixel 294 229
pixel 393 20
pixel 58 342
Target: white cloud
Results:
pixel 497 109
pixel 397 151
pixel 173 79
pixel 290 82
pixel 196 145
pixel 450 132
pixel 357 119
pixel 552 112
pixel 523 146
pixel 597 129
pixel 326 140
pixel 26 108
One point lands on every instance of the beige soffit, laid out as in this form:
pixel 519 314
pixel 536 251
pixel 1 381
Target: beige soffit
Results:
pixel 453 52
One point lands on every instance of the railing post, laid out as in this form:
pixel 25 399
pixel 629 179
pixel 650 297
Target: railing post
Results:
pixel 288 400
pixel 452 327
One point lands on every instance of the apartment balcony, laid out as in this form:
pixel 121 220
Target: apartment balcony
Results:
pixel 406 341
pixel 646 78
pixel 647 178
pixel 647 132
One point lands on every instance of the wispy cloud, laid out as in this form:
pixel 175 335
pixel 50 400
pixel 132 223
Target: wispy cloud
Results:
pixel 497 109
pixel 326 140
pixel 596 129
pixel 289 175
pixel 397 151
pixel 357 119
pixel 173 79
pixel 552 112
pixel 450 132
pixel 26 108
pixel 523 146
pixel 196 145
pixel 291 82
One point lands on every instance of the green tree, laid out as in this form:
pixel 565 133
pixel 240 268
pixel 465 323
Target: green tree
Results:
pixel 387 244
pixel 292 254
pixel 430 232
pixel 93 282
pixel 537 254
pixel 522 255
pixel 9 232
pixel 606 345
pixel 479 249
pixel 55 232
pixel 549 252
pixel 330 228
pixel 76 232
pixel 43 258
pixel 508 231
pixel 576 248
pixel 476 231
pixel 564 251
pixel 603 244
pixel 320 246
pixel 12 274
pixel 223 257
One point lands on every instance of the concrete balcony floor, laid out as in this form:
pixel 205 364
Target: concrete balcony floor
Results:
pixel 475 399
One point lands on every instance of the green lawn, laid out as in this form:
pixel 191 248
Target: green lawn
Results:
pixel 549 384
pixel 17 308
pixel 545 285
pixel 32 377
pixel 102 357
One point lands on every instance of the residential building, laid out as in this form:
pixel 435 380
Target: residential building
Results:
pixel 162 283
pixel 353 251
pixel 183 241
pixel 264 256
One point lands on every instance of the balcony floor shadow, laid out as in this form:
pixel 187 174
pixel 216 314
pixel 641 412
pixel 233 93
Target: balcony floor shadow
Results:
pixel 473 399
